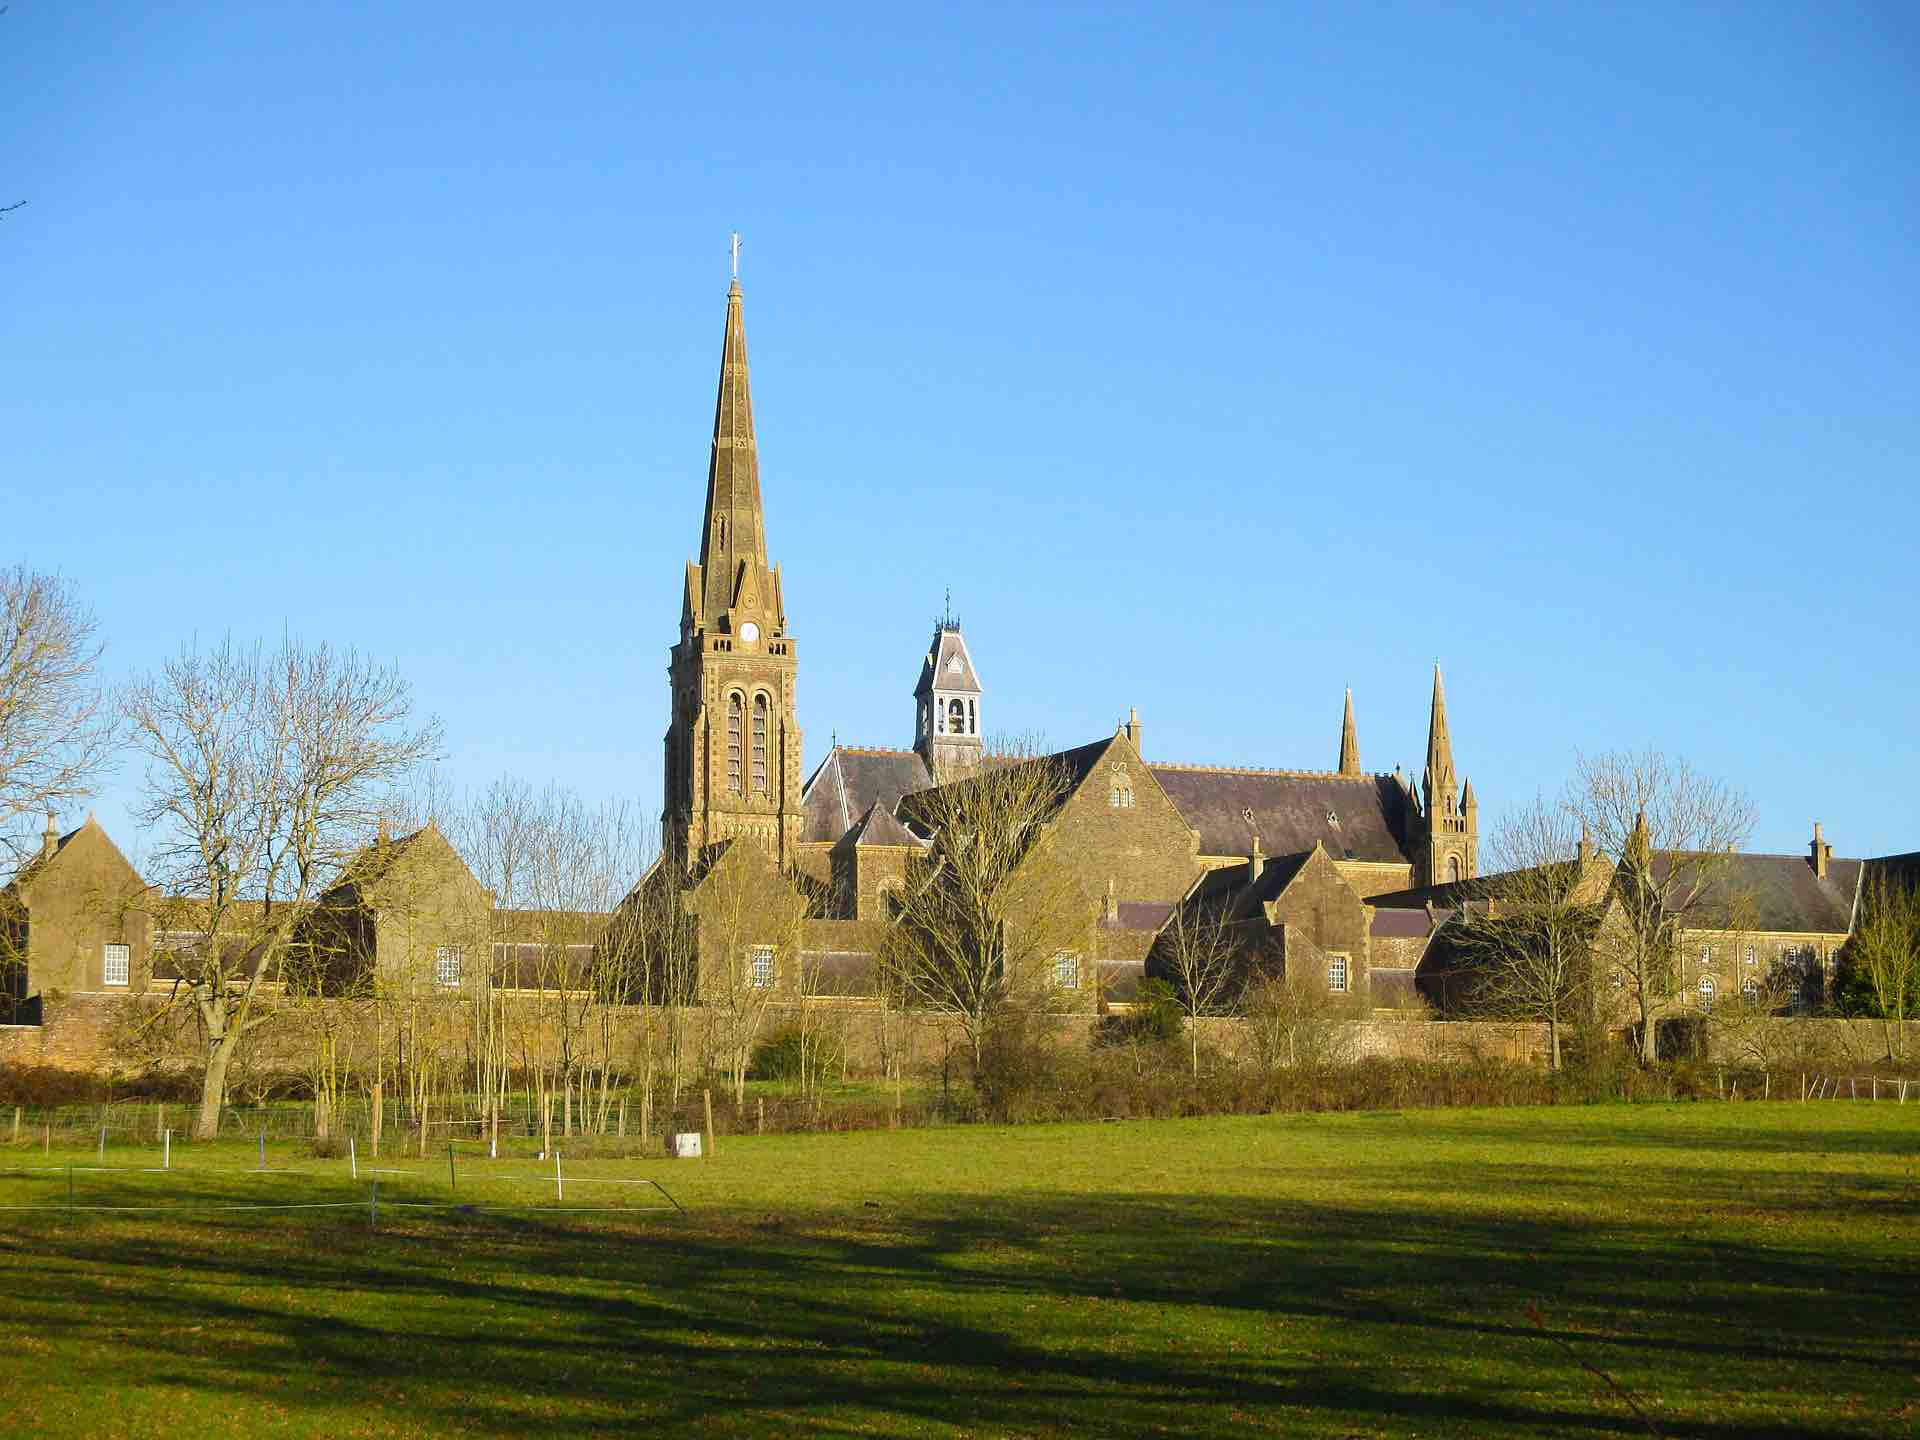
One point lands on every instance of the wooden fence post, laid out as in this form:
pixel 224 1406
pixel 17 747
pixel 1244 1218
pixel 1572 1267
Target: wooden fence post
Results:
pixel 711 1146
pixel 621 1124
pixel 760 1115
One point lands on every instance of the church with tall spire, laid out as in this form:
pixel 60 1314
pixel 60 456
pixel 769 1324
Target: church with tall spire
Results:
pixel 1299 855
pixel 733 742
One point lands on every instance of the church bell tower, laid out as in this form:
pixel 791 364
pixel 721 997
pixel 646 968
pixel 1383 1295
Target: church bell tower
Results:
pixel 733 745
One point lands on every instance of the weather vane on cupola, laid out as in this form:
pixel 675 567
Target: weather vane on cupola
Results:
pixel 734 247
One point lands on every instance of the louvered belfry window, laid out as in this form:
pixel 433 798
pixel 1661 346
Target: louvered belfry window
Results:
pixel 760 744
pixel 733 743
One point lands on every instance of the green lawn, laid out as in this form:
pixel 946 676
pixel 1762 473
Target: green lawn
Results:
pixel 1743 1270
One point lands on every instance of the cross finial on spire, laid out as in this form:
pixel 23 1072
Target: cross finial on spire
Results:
pixel 734 247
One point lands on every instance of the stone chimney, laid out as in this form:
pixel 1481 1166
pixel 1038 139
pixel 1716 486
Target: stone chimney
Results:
pixel 1256 862
pixel 1586 845
pixel 1133 727
pixel 50 841
pixel 1820 853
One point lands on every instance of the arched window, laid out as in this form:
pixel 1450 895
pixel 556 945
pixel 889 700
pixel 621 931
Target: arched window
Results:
pixel 759 744
pixel 733 743
pixel 1750 991
pixel 956 717
pixel 973 719
pixel 1453 868
pixel 1706 992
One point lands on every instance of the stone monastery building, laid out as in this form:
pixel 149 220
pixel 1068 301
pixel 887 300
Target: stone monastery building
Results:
pixel 1354 876
pixel 1307 849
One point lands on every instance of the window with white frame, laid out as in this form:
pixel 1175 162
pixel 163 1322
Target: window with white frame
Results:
pixel 1619 980
pixel 1706 954
pixel 114 962
pixel 1337 974
pixel 760 967
pixel 1706 993
pixel 1753 956
pixel 446 964
pixel 1750 991
pixel 1066 969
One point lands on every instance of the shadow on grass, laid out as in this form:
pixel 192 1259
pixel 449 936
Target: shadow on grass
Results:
pixel 1109 1314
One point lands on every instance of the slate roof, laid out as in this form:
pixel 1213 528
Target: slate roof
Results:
pixel 851 781
pixel 1138 915
pixel 947 666
pixel 878 827
pixel 1401 924
pixel 1357 817
pixel 1781 892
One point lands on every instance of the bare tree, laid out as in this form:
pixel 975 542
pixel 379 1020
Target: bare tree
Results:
pixel 992 915
pixel 749 952
pixel 1199 952
pixel 1525 936
pixel 1675 834
pixel 55 728
pixel 264 776
pixel 1296 1019
pixel 1881 974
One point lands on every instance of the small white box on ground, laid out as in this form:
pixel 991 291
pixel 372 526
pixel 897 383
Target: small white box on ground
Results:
pixel 687 1147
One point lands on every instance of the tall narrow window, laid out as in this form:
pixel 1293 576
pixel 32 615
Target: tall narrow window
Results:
pixel 446 965
pixel 1453 869
pixel 1337 974
pixel 759 744
pixel 733 743
pixel 1066 969
pixel 113 969
pixel 956 717
pixel 973 719
pixel 760 967
pixel 1706 993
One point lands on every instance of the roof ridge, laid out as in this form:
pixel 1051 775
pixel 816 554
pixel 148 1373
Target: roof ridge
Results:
pixel 873 750
pixel 1263 770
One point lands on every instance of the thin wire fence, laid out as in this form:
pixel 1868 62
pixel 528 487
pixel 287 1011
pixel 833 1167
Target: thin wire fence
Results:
pixel 98 1199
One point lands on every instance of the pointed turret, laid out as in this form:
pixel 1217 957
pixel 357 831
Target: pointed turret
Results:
pixel 50 840
pixel 1451 823
pixel 1439 781
pixel 1349 740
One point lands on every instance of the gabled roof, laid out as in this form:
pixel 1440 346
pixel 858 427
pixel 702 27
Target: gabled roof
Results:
pixel 1357 817
pixel 372 863
pixel 851 781
pixel 878 827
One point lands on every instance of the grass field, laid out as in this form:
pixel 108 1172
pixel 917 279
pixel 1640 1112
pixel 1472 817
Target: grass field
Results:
pixel 1740 1270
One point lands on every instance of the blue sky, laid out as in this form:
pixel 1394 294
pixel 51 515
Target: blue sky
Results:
pixel 1216 358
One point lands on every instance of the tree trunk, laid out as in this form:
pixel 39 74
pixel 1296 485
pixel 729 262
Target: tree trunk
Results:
pixel 213 1089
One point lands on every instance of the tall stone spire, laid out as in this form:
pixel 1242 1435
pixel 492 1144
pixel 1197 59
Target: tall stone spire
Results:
pixel 1439 783
pixel 733 749
pixel 1349 741
pixel 735 535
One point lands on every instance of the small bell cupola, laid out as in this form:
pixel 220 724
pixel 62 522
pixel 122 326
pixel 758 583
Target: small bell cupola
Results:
pixel 946 704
